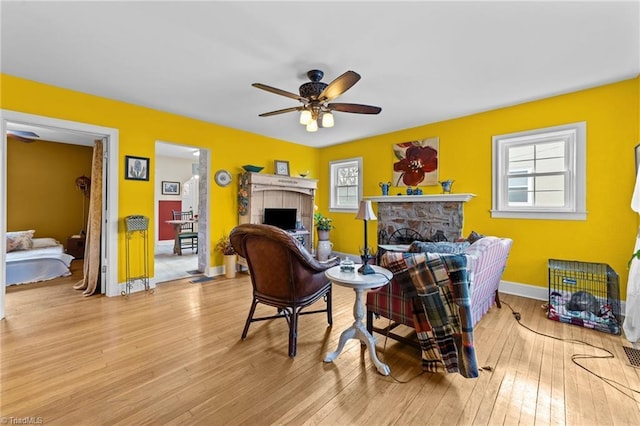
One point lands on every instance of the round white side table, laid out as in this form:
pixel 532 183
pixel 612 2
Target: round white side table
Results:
pixel 359 283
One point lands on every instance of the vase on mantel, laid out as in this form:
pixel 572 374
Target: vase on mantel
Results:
pixel 324 247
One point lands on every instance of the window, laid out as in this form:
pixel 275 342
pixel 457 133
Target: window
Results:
pixel 346 184
pixel 540 174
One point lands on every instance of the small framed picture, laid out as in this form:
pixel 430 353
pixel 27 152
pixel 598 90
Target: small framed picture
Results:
pixel 170 188
pixel 282 167
pixel 136 168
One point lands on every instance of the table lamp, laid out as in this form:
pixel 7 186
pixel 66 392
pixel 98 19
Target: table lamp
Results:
pixel 365 212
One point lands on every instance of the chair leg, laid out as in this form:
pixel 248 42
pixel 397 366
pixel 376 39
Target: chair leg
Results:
pixel 251 312
pixel 293 333
pixel 498 300
pixel 370 321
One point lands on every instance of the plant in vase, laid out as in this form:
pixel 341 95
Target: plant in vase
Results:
pixel 226 249
pixel 323 225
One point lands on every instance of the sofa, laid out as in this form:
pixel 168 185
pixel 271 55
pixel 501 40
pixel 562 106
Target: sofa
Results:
pixel 472 270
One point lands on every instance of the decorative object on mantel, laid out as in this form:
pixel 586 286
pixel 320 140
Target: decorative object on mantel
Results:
pixel 417 163
pixel 385 187
pixel 303 173
pixel 446 186
pixel 250 168
pixel 281 167
pixel 365 213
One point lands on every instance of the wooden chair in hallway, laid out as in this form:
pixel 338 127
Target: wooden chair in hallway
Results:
pixel 188 236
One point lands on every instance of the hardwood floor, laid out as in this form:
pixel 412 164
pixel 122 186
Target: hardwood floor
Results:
pixel 175 357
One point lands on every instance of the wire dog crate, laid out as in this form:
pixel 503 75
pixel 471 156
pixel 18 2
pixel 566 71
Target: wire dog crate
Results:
pixel 584 294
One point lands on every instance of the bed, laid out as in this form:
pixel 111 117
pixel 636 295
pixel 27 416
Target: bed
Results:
pixel 41 259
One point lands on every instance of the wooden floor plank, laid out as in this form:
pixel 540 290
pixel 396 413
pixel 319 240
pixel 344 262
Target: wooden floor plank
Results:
pixel 176 357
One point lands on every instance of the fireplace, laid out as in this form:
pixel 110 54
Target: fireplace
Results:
pixel 426 217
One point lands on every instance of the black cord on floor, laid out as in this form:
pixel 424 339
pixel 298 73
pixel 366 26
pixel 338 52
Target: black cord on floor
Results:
pixel 576 357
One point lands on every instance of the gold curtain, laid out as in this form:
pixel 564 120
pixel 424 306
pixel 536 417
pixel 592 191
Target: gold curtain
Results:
pixel 92 253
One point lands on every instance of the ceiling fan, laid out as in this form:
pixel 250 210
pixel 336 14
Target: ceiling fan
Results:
pixel 315 96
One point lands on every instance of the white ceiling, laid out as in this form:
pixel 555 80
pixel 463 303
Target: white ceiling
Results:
pixel 421 61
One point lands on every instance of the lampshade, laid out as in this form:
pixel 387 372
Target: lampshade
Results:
pixel 305 117
pixel 327 119
pixel 365 211
pixel 312 126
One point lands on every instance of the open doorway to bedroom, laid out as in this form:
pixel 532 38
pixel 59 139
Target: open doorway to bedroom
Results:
pixel 37 129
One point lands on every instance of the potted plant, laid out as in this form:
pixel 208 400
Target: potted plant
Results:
pixel 323 226
pixel 224 246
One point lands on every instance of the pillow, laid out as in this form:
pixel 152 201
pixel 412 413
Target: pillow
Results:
pixel 44 242
pixel 474 236
pixel 438 247
pixel 20 240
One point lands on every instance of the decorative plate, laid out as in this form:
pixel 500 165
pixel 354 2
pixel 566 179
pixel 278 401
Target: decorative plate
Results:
pixel 223 177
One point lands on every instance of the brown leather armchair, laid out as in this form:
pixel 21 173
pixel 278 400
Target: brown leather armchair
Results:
pixel 283 274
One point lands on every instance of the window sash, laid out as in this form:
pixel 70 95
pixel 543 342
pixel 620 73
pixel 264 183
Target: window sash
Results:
pixel 552 164
pixel 346 184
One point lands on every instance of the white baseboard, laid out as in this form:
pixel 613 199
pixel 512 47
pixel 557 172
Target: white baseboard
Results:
pixel 524 290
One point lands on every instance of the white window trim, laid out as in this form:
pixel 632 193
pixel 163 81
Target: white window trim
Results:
pixel 577 174
pixel 332 176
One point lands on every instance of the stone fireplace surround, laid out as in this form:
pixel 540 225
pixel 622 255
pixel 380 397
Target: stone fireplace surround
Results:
pixel 426 214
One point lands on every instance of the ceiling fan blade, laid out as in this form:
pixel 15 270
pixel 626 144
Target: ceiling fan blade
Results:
pixel 281 111
pixel 280 92
pixel 340 85
pixel 354 108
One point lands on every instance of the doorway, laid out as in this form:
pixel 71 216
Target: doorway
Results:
pixel 184 168
pixel 81 134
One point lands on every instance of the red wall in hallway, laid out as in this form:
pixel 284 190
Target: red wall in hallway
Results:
pixel 165 230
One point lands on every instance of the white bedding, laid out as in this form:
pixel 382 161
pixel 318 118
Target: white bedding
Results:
pixel 38 264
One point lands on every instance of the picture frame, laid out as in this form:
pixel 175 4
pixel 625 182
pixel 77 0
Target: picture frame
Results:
pixel 637 152
pixel 282 167
pixel 170 188
pixel 136 168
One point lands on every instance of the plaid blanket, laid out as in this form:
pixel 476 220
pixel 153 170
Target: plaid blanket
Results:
pixel 438 286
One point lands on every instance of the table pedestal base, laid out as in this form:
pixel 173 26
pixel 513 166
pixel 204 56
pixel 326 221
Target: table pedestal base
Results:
pixel 359 331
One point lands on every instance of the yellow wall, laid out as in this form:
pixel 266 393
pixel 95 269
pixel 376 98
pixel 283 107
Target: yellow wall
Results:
pixel 139 128
pixel 608 234
pixel 41 190
pixel 613 129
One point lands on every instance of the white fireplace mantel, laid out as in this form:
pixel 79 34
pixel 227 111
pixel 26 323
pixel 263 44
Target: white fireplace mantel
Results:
pixel 421 198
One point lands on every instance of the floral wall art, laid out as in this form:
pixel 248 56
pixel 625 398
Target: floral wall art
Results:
pixel 417 163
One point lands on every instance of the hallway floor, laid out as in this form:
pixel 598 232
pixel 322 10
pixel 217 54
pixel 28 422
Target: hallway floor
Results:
pixel 168 266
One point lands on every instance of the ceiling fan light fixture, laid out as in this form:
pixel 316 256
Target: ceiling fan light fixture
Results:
pixel 327 119
pixel 305 117
pixel 312 126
